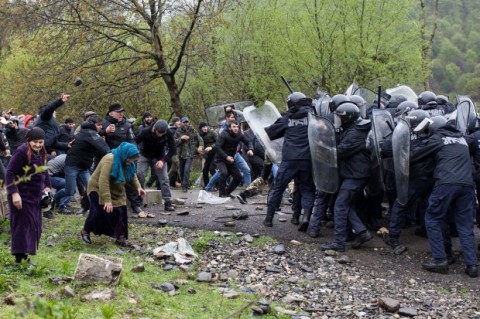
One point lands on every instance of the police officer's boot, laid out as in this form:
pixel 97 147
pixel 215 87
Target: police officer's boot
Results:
pixel 268 222
pixel 295 220
pixel 305 219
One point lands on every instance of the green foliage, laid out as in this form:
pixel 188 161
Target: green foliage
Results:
pixel 53 310
pixel 108 310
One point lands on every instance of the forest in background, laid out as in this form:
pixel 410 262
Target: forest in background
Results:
pixel 176 57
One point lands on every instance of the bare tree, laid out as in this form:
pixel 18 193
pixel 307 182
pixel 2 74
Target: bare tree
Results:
pixel 428 35
pixel 152 39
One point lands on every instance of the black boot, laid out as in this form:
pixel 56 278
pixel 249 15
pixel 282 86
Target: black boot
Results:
pixel 436 265
pixel 268 222
pixel 168 206
pixel 305 219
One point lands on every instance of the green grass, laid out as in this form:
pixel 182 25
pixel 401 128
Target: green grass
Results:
pixel 37 297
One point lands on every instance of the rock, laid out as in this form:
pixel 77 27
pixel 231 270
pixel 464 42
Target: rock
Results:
pixel 257 311
pixel 10 300
pixel 98 295
pixel 93 269
pixel 329 260
pixel 60 280
pixel 284 311
pixel 232 273
pixel 168 267
pixel 162 222
pixel 181 282
pixel 279 249
pixel 273 269
pixel 164 286
pixel 282 220
pixel 178 201
pixel 183 213
pixel 139 268
pixel 389 304
pixel 229 224
pixel 248 238
pixel 204 277
pixel 330 252
pixel 295 242
pixel 408 311
pixel 191 290
pixel 344 259
pixel 50 242
pixel 68 292
pixel 258 208
pixel 228 293
pixel 306 268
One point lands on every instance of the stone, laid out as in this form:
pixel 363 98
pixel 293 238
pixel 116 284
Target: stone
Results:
pixel 229 224
pixel 93 269
pixel 228 293
pixel 295 242
pixel 204 277
pixel 178 201
pixel 273 269
pixel 279 249
pixel 389 304
pixel 98 295
pixel 330 252
pixel 164 286
pixel 191 290
pixel 408 311
pixel 183 213
pixel 139 268
pixel 152 197
pixel 68 292
pixel 282 220
pixel 258 208
pixel 344 259
pixel 248 238
pixel 162 222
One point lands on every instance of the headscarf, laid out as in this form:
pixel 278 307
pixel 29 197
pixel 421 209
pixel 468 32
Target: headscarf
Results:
pixel 120 154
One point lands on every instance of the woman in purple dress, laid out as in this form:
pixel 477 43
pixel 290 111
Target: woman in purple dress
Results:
pixel 25 194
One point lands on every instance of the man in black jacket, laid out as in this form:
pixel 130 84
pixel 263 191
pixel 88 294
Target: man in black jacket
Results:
pixel 226 147
pixel 116 129
pixel 296 159
pixel 354 172
pixel 46 121
pixel 157 147
pixel 453 193
pixel 88 144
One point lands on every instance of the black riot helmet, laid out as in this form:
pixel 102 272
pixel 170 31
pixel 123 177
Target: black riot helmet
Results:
pixel 438 122
pixel 427 98
pixel 348 113
pixel 405 107
pixel 416 117
pixel 337 99
pixel 296 100
pixel 395 100
pixel 442 99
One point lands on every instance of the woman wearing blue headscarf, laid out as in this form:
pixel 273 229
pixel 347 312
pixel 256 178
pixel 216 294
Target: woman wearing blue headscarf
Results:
pixel 108 199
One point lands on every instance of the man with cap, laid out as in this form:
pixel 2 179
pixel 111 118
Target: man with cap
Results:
pixel 188 142
pixel 157 146
pixel 116 129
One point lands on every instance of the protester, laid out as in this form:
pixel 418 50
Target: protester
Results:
pixel 25 195
pixel 108 200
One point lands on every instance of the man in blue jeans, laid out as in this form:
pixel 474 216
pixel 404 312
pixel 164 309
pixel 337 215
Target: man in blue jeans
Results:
pixel 240 162
pixel 88 144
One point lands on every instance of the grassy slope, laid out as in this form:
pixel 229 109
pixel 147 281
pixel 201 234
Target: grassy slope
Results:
pixel 134 297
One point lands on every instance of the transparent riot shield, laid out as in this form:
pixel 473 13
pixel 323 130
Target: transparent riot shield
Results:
pixel 465 113
pixel 382 127
pixel 323 148
pixel 260 118
pixel 401 159
pixel 322 105
pixel 216 113
pixel 405 91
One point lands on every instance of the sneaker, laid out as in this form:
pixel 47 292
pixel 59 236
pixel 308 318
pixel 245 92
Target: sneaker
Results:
pixel 333 246
pixel 65 210
pixel 241 198
pixel 436 265
pixel 361 238
pixel 48 214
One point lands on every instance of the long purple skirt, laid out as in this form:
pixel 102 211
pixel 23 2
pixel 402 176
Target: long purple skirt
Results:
pixel 99 222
